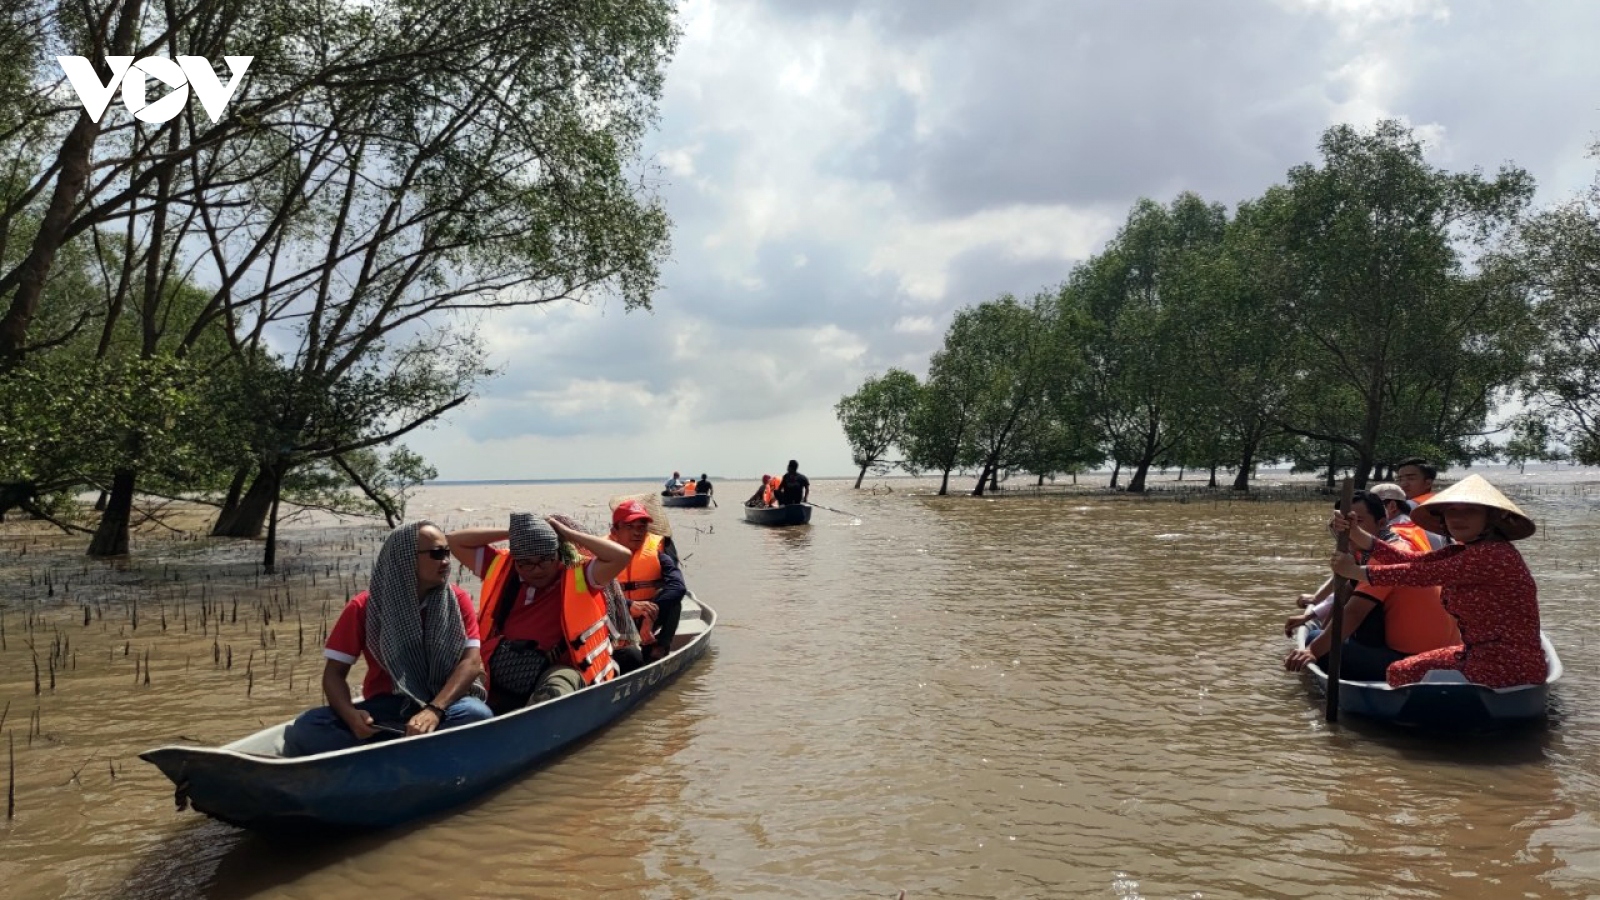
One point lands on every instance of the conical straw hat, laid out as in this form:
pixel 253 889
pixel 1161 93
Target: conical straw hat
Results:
pixel 1514 523
pixel 652 505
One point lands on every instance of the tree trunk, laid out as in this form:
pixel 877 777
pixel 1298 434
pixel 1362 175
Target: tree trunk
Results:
pixel 101 501
pixel 860 477
pixel 983 479
pixel 230 503
pixel 1246 463
pixel 250 518
pixel 1213 482
pixel 1041 480
pixel 269 559
pixel 1136 486
pixel 1333 463
pixel 994 478
pixel 1116 469
pixel 111 537
pixel 944 483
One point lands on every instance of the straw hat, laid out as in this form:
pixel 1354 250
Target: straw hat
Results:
pixel 652 504
pixel 1513 522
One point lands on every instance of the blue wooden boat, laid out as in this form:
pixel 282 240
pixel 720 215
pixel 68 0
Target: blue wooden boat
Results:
pixel 698 501
pixel 247 783
pixel 1443 700
pixel 778 516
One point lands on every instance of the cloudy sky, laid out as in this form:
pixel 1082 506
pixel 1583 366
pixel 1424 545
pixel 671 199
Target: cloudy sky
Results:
pixel 844 174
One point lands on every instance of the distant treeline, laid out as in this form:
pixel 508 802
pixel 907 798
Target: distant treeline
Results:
pixel 254 309
pixel 1370 309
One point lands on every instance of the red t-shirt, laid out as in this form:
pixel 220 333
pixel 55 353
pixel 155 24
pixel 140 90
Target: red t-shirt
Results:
pixel 348 640
pixel 536 615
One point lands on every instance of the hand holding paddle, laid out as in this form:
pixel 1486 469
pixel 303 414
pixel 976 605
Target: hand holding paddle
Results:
pixel 1343 587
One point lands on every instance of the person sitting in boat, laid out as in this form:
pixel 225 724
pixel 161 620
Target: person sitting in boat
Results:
pixel 541 608
pixel 1381 625
pixel 673 487
pixel 1415 476
pixel 766 494
pixel 652 582
pixel 419 636
pixel 1398 506
pixel 794 488
pixel 703 485
pixel 1485 584
pixel 689 488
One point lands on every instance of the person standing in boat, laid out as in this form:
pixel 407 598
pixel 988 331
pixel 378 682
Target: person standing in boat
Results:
pixel 794 487
pixel 652 582
pixel 419 636
pixel 1485 584
pixel 541 609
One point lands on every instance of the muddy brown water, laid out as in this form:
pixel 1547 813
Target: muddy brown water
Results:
pixel 1023 697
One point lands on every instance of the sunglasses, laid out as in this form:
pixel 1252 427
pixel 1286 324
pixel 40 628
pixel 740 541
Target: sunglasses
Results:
pixel 436 552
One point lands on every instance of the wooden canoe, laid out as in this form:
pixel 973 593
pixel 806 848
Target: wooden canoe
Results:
pixel 376 785
pixel 778 516
pixel 698 501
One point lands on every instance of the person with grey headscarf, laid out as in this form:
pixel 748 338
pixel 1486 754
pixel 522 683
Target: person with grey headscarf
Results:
pixel 419 637
pixel 542 609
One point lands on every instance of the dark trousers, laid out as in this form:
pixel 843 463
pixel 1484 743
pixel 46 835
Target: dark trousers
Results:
pixel 1362 662
pixel 321 730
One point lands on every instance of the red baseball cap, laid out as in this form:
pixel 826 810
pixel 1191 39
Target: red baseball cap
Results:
pixel 629 511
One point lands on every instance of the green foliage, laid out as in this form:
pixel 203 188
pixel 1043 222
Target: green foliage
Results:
pixel 1141 392
pixel 1401 347
pixel 1559 251
pixel 875 417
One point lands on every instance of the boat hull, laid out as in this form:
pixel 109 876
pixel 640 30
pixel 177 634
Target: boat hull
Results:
pixel 384 784
pixel 698 501
pixel 778 516
pixel 1444 700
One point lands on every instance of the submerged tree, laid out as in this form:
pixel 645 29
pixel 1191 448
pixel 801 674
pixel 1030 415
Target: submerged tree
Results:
pixel 875 416
pixel 1559 249
pixel 385 173
pixel 1404 346
pixel 1141 349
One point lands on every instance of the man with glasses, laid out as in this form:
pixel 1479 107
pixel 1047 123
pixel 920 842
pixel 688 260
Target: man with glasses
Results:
pixel 542 609
pixel 419 636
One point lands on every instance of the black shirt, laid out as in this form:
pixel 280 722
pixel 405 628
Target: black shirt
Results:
pixel 790 489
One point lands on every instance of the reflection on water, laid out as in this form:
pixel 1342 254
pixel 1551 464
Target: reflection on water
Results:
pixel 1019 697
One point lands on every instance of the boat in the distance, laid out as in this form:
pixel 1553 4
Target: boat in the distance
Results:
pixel 375 785
pixel 1443 700
pixel 694 501
pixel 778 516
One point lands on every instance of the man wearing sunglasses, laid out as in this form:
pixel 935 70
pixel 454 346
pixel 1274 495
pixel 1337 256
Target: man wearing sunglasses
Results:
pixel 419 636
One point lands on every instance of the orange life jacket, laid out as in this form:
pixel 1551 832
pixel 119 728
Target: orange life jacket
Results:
pixel 768 493
pixel 688 488
pixel 583 619
pixel 641 580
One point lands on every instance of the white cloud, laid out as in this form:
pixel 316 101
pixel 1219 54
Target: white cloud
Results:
pixel 842 176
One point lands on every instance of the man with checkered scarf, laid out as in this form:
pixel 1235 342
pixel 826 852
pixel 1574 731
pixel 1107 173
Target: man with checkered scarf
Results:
pixel 419 637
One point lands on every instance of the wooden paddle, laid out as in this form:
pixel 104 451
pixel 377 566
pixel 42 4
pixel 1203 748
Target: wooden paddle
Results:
pixel 1342 588
pixel 831 509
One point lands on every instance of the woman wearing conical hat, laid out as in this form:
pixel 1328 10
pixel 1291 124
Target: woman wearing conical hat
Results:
pixel 1485 585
